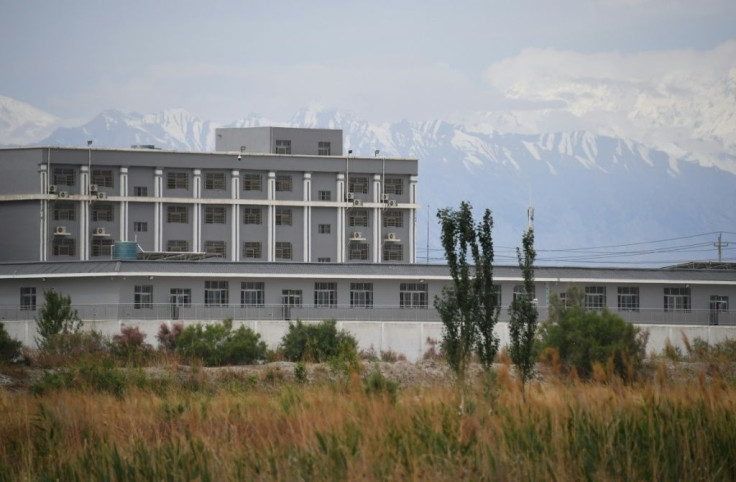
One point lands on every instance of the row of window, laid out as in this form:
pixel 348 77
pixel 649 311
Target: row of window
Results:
pixel 675 298
pixel 283 146
pixel 217 181
pixel 101 212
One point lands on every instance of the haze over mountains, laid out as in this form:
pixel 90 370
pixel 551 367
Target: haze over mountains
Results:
pixel 587 189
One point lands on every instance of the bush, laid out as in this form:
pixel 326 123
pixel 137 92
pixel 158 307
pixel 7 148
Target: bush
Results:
pixel 317 343
pixel 9 348
pixel 56 317
pixel 64 348
pixel 584 337
pixel 217 344
pixel 129 344
pixel 167 337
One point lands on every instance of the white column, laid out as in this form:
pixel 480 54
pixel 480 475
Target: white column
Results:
pixel 235 217
pixel 377 242
pixel 124 204
pixel 307 218
pixel 85 213
pixel 158 209
pixel 44 213
pixel 271 215
pixel 196 212
pixel 413 219
pixel 340 218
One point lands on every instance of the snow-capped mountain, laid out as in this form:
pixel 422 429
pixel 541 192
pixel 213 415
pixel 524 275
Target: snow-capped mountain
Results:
pixel 587 189
pixel 21 123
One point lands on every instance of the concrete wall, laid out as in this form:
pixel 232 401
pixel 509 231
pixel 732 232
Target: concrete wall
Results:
pixel 263 140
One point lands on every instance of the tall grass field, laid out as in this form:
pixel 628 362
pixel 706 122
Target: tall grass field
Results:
pixel 126 424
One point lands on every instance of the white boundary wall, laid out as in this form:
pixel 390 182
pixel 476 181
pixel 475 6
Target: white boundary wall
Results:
pixel 408 338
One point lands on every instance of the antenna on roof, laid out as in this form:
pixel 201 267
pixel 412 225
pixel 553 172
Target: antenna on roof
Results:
pixel 530 218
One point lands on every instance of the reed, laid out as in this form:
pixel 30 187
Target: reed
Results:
pixel 228 430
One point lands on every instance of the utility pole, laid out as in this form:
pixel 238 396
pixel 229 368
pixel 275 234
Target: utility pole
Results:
pixel 427 233
pixel 720 244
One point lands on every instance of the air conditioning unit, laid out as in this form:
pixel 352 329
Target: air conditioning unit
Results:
pixel 101 195
pixel 93 188
pixel 99 231
pixel 357 202
pixel 52 189
pixel 384 197
pixel 393 203
pixel 357 236
pixel 351 196
pixel 391 237
pixel 63 194
pixel 60 230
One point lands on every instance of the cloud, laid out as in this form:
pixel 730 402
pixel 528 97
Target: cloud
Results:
pixel 681 101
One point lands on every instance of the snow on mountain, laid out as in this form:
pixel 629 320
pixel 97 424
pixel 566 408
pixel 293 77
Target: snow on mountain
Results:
pixel 21 123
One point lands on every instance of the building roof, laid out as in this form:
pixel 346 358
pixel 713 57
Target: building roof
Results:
pixel 205 268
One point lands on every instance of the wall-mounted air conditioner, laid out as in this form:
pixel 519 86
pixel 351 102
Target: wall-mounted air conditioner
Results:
pixel 384 197
pixel 64 194
pixel 60 231
pixel 93 188
pixel 392 203
pixel 52 189
pixel 351 196
pixel 357 236
pixel 357 202
pixel 99 231
pixel 101 195
pixel 391 237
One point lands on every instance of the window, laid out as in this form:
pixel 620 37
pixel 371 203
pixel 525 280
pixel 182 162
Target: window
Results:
pixel 62 246
pixel 323 148
pixel 291 297
pixel 358 184
pixel 251 215
pixel 413 295
pixel 63 176
pixel 102 247
pixel 214 181
pixel 283 146
pixel 718 305
pixel 102 212
pixel 358 251
pixel 595 297
pixel 102 177
pixel 214 214
pixel 393 219
pixel 140 227
pixel 283 250
pixel 677 299
pixel 325 295
pixel 252 293
pixel 358 217
pixel 323 229
pixel 251 250
pixel 324 195
pixel 177 180
pixel 520 291
pixel 283 183
pixel 283 216
pixel 393 185
pixel 215 247
pixel 324 260
pixel 252 182
pixel 181 296
pixel 216 293
pixel 28 299
pixel 64 211
pixel 393 252
pixel 177 214
pixel 177 246
pixel 496 294
pixel 140 191
pixel 143 297
pixel 361 295
pixel 628 298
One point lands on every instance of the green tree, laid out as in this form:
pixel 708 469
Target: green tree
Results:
pixel 317 342
pixel 217 344
pixel 583 337
pixel 56 317
pixel 524 314
pixel 469 307
pixel 10 349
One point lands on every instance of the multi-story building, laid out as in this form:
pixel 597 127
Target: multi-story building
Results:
pixel 293 197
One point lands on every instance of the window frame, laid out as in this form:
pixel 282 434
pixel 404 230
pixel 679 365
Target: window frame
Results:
pixel 64 176
pixel 177 180
pixel 252 294
pixel 250 181
pixel 174 242
pixel 393 185
pixel 65 211
pixel 103 177
pixel 177 214
pixel 252 246
pixel 282 146
pixel 283 216
pixel 393 218
pixel 324 195
pixel 414 296
pixel 283 248
pixel 215 214
pixel 393 252
pixel 143 297
pixel 324 148
pixel 325 294
pixel 215 181
pixel 595 297
pixel 361 295
pixel 216 293
pixel 27 298
pixel 252 216
pixel 358 184
pixel 628 298
pixel 140 226
pixel 324 229
pixel 284 183
pixel 358 251
pixel 101 247
pixel 677 299
pixel 358 218
pixel 103 213
pixel 63 243
pixel 216 247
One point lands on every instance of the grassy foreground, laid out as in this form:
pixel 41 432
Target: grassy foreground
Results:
pixel 233 429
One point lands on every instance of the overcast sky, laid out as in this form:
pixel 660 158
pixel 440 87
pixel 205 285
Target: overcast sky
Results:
pixel 382 60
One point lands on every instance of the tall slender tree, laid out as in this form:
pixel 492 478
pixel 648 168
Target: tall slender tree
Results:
pixel 524 314
pixel 469 306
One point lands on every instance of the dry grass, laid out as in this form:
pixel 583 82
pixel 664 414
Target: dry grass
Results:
pixel 236 429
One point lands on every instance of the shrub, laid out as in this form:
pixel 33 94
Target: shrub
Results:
pixel 167 337
pixel 316 343
pixel 584 337
pixel 217 344
pixel 377 384
pixel 129 344
pixel 300 372
pixel 56 317
pixel 63 348
pixel 10 349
